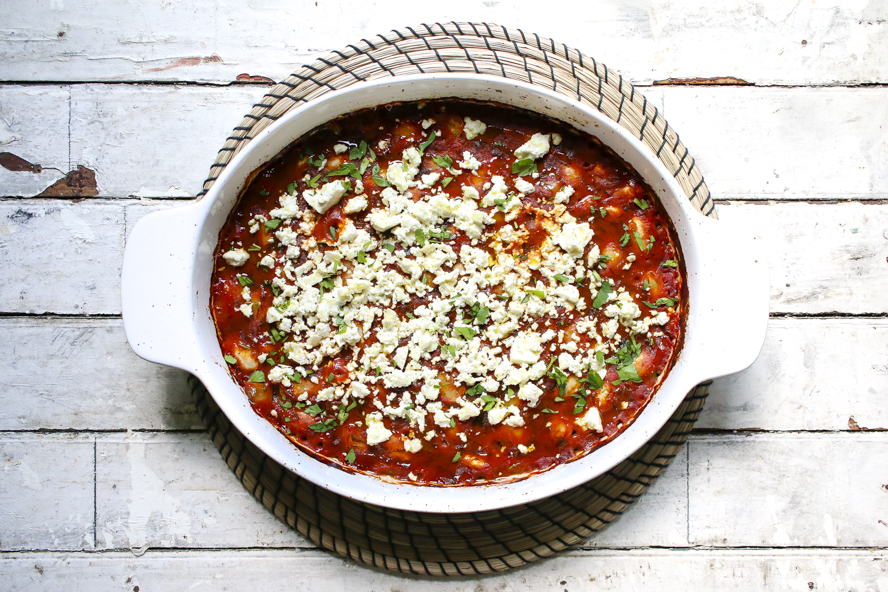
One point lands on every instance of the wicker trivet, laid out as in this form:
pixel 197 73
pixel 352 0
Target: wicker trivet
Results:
pixel 469 543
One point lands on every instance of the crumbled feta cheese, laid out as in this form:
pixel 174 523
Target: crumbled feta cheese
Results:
pixel 246 309
pixel 469 192
pixel 473 128
pixel 356 204
pixel 236 258
pixel 536 147
pixel 523 186
pixel 377 433
pixel 469 162
pixel 526 349
pixel 591 420
pixel 267 261
pixel 574 237
pixel 530 393
pixel 280 373
pixel 413 445
pixel 326 197
pixel 427 123
pixel 556 139
pixel 339 148
pixel 563 195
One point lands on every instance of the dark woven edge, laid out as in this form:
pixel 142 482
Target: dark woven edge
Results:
pixel 470 543
pixel 446 544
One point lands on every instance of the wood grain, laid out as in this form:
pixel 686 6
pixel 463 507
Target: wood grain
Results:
pixel 797 383
pixel 273 570
pixel 203 41
pixel 783 490
pixel 46 491
pixel 173 490
pixel 96 382
pixel 759 143
pixel 59 256
pixel 159 141
pixel 812 374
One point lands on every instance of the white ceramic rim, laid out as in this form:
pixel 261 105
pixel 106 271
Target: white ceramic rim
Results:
pixel 168 263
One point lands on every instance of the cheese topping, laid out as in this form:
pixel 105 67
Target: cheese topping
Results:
pixel 412 300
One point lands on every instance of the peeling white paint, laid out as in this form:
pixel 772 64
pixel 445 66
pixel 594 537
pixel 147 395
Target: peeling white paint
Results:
pixel 76 228
pixel 149 500
pixel 145 192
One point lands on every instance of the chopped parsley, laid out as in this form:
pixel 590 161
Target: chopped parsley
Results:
pixel 602 295
pixel 467 332
pixel 358 152
pixel 324 426
pixel 427 143
pixel 230 359
pixel 662 302
pixel 257 376
pixel 641 203
pixel 524 167
pixel 347 169
pixel 377 178
pixel 443 161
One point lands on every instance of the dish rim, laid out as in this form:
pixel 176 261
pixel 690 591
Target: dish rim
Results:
pixel 695 232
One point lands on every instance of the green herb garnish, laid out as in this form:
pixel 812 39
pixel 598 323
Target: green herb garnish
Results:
pixel 427 143
pixel 603 292
pixel 358 152
pixel 661 302
pixel 467 332
pixel 524 167
pixel 379 180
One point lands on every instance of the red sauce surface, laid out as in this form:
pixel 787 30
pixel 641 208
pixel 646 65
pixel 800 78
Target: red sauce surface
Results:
pixel 607 194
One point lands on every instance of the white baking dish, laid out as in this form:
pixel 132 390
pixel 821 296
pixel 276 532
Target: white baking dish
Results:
pixel 169 260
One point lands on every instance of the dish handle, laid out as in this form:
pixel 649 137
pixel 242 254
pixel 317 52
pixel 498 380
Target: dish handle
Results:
pixel 733 300
pixel 156 286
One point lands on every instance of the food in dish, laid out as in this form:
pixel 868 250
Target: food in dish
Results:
pixel 448 293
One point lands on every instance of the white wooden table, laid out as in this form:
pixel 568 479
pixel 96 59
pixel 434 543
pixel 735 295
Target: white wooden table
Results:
pixel 108 480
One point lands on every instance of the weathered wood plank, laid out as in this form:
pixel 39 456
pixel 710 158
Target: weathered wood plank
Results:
pixel 147 141
pixel 658 519
pixel 200 40
pixel 798 382
pixel 271 570
pixel 33 128
pixel 163 490
pixel 173 490
pixel 822 258
pixel 60 256
pixel 46 492
pixel 787 490
pixel 758 143
pixel 96 382
pixel 812 374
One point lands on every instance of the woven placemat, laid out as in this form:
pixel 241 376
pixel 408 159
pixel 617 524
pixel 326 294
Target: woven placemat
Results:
pixel 468 543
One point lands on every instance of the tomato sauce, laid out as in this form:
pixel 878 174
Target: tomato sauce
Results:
pixel 628 222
